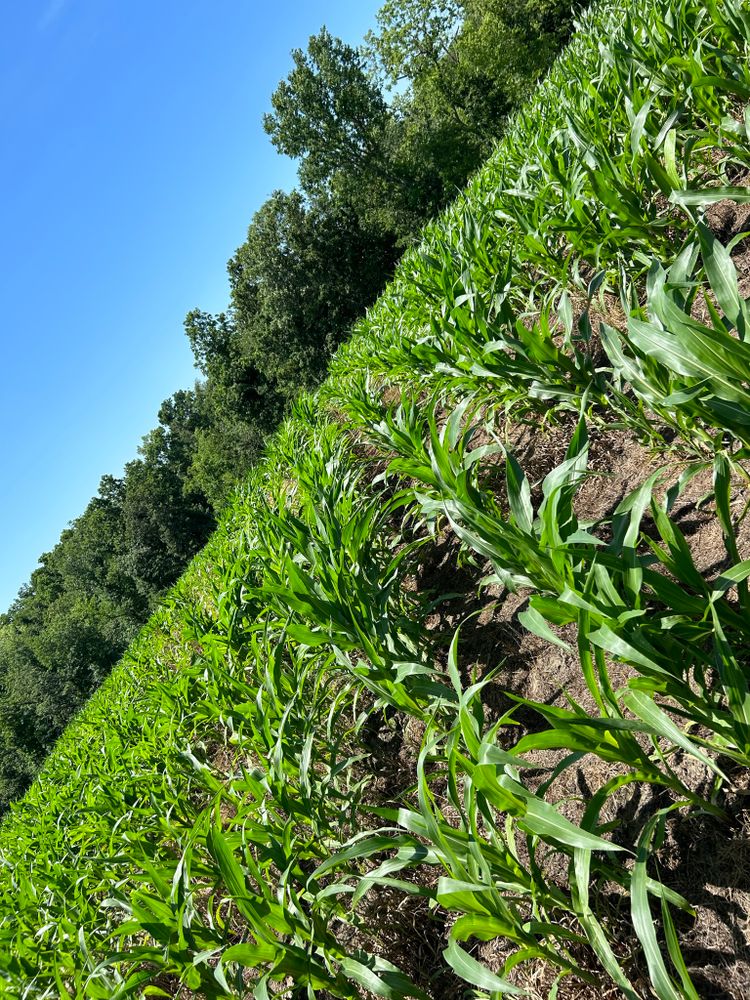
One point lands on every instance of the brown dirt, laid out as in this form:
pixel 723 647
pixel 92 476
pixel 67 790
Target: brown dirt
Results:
pixel 710 865
pixel 727 219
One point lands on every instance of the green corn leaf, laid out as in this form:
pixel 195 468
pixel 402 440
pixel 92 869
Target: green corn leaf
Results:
pixel 484 928
pixel 453 894
pixel 477 974
pixel 639 126
pixel 722 276
pixel 380 977
pixel 133 984
pixel 708 196
pixel 723 84
pixel 734 678
pixel 612 643
pixel 634 504
pixel 532 620
pixel 369 845
pixel 665 181
pixel 729 578
pixel 670 158
pixel 579 874
pixel 675 953
pixel 260 913
pixel 645 708
pixel 536 816
pixel 722 495
pixel 519 494
pixel 643 923
pixel 597 938
pixel 251 955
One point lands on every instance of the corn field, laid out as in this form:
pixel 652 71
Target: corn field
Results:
pixel 461 685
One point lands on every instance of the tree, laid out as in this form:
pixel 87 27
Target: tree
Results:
pixel 93 591
pixel 307 270
pixel 166 517
pixel 456 69
pixel 328 113
pixel 236 386
pixel 413 37
pixel 240 404
pixel 468 63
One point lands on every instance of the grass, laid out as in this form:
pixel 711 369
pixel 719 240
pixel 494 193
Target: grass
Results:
pixel 221 819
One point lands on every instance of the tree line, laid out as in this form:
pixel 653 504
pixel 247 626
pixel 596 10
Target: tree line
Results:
pixel 384 136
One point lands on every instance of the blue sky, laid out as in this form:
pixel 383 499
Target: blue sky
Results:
pixel 133 160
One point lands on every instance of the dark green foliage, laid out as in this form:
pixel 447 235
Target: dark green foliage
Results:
pixel 238 403
pixel 459 69
pixel 306 271
pixel 165 518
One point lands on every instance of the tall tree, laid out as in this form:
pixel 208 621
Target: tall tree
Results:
pixel 468 63
pixel 307 270
pixel 328 113
pixel 240 402
pixel 166 518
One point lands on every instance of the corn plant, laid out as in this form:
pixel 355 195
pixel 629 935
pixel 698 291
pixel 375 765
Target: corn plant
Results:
pixel 693 376
pixel 486 884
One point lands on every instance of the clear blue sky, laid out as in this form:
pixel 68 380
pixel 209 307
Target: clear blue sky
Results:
pixel 133 158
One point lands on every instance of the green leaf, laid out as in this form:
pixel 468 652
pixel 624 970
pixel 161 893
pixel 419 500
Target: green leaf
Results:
pixel 260 913
pixel 722 276
pixel 722 496
pixel 519 494
pixel 380 977
pixel 534 814
pixel 709 196
pixel 645 708
pixel 251 955
pixel 532 620
pixel 453 894
pixel 639 125
pixel 477 974
pixel 643 923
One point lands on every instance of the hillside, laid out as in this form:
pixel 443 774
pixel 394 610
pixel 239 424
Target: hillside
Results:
pixel 455 701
